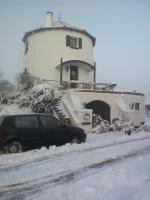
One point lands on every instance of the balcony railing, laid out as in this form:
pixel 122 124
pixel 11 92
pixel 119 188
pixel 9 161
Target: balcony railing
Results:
pixel 85 85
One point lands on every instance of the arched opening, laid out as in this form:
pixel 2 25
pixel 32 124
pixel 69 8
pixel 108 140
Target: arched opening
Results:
pixel 101 108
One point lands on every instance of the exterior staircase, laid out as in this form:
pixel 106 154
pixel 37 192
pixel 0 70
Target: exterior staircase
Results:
pixel 69 109
pixel 59 112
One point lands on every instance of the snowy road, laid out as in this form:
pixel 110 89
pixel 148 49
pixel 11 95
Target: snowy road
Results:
pixel 108 166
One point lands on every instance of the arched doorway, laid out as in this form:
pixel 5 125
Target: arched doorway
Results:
pixel 101 108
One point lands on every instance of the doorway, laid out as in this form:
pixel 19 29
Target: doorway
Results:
pixel 101 108
pixel 74 75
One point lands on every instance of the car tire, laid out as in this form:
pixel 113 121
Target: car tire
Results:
pixel 13 147
pixel 75 140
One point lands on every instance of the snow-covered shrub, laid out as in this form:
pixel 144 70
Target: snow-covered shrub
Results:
pixel 96 120
pixel 43 100
pixel 119 125
pixel 40 99
pixel 128 128
pixel 24 100
pixel 100 125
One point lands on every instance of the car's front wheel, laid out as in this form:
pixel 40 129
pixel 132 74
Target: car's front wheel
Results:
pixel 13 147
pixel 76 140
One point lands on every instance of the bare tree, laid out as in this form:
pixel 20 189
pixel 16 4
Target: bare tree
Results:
pixel 25 81
pixel 6 88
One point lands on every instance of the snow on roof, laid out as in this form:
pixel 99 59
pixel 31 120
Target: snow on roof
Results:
pixel 59 27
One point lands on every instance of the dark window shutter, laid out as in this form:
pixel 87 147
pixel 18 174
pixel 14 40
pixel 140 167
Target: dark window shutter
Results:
pixel 26 46
pixel 67 40
pixel 80 43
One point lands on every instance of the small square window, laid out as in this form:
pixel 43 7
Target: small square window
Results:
pixel 73 42
pixel 131 105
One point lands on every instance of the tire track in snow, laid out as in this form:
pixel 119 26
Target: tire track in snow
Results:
pixel 16 166
pixel 72 175
pixel 20 191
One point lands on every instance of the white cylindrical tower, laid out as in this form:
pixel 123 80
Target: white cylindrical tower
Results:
pixel 59 52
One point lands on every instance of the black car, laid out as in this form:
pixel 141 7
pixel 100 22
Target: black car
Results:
pixel 22 132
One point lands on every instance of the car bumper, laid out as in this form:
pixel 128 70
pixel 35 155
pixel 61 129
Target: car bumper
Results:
pixel 84 138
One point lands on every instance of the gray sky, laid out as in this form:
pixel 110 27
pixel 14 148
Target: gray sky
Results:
pixel 121 28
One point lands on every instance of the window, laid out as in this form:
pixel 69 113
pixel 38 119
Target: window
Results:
pixel 74 73
pixel 134 106
pixel 137 106
pixel 131 106
pixel 74 76
pixel 30 122
pixel 17 122
pixel 73 42
pixel 49 122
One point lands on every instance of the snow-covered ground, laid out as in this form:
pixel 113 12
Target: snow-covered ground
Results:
pixel 108 166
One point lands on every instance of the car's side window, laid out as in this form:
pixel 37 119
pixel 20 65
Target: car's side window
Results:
pixel 29 122
pixel 17 122
pixel 49 122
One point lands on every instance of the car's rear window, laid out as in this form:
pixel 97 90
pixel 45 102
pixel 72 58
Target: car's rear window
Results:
pixel 49 122
pixel 8 122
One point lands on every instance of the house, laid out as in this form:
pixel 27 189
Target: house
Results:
pixel 63 55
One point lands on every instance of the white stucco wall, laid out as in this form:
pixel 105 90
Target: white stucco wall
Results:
pixel 46 48
pixel 111 99
pixel 84 74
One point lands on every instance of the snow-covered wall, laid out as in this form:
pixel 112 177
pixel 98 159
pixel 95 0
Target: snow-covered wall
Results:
pixel 78 115
pixel 124 110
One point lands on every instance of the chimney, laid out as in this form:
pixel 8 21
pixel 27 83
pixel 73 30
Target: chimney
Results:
pixel 49 19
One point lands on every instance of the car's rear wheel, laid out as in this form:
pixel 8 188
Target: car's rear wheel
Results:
pixel 13 147
pixel 75 140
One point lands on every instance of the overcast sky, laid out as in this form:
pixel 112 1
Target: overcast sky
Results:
pixel 121 28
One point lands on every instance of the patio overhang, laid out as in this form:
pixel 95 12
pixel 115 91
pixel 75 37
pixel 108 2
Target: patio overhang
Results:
pixel 79 63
